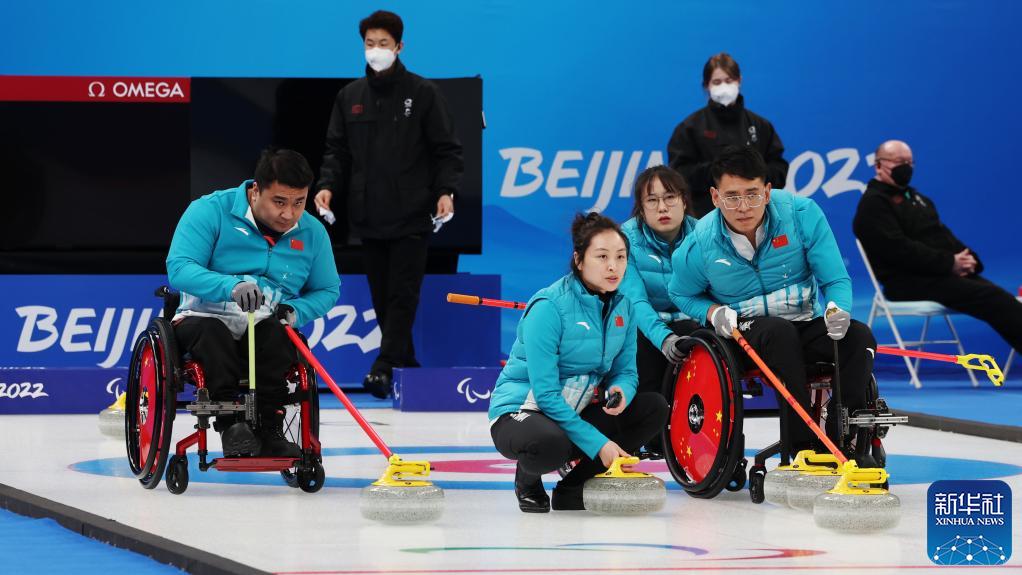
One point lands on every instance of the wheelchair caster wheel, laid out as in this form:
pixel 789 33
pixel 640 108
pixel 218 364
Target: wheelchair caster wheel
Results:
pixel 757 475
pixel 177 474
pixel 737 482
pixel 290 478
pixel 311 480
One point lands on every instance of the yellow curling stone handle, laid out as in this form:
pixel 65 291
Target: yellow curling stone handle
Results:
pixel 809 460
pixel 120 404
pixel 855 481
pixel 616 468
pixel 397 471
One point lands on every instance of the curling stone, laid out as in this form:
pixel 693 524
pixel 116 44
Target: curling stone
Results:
pixel 111 419
pixel 402 495
pixel 860 502
pixel 776 482
pixel 620 492
pixel 803 489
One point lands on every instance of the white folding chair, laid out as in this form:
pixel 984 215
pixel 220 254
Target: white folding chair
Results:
pixel 1011 354
pixel 922 308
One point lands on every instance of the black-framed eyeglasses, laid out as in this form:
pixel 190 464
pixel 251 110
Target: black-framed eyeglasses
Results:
pixel 653 202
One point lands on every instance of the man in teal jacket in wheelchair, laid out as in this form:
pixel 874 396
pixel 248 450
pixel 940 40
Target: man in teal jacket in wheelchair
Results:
pixel 251 249
pixel 762 262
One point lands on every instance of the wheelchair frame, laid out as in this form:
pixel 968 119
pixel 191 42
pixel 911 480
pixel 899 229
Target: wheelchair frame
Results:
pixel 155 378
pixel 728 470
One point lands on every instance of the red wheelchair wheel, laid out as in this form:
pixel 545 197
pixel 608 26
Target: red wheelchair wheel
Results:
pixel 703 436
pixel 301 412
pixel 151 402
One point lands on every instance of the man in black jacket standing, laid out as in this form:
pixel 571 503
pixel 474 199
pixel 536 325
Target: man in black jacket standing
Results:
pixel 391 147
pixel 917 257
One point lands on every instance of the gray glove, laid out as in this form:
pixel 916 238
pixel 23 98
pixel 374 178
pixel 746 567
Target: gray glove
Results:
pixel 724 320
pixel 286 314
pixel 837 321
pixel 248 296
pixel 670 349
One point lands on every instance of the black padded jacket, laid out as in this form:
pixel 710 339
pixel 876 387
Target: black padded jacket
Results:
pixel 392 148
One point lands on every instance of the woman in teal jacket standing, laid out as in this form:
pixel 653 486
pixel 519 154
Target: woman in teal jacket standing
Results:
pixel 577 336
pixel 659 223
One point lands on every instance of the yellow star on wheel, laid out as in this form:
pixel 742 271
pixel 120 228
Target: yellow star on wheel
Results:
pixel 689 374
pixel 688 451
pixel 719 416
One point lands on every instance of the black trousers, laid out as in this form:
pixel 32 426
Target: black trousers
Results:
pixel 650 361
pixel 540 446
pixel 224 360
pixel 395 269
pixel 974 295
pixel 788 347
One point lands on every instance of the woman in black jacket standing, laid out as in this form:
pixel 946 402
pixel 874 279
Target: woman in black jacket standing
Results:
pixel 723 122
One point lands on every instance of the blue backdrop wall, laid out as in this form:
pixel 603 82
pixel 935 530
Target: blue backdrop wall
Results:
pixel 579 96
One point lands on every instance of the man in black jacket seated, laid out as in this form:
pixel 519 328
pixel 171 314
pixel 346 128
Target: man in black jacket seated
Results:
pixel 392 149
pixel 916 257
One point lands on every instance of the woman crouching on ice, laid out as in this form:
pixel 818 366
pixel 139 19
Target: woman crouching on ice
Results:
pixel 576 335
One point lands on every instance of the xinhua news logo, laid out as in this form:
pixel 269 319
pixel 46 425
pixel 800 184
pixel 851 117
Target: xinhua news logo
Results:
pixel 968 522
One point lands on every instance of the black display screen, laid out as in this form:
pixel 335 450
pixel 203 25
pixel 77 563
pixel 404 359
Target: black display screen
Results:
pixel 81 176
pixel 115 176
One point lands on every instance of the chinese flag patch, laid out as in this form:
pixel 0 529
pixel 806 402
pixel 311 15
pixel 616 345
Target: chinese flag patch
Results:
pixel 357 109
pixel 619 321
pixel 298 245
pixel 710 134
pixel 780 241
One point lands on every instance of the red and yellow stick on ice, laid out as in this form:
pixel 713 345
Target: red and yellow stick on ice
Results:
pixel 976 361
pixel 397 470
pixel 982 362
pixel 476 300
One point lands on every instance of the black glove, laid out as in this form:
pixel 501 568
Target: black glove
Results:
pixel 286 314
pixel 248 296
pixel 671 350
pixel 681 347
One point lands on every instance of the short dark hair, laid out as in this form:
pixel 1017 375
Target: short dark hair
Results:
pixel 584 228
pixel 286 167
pixel 669 178
pixel 382 20
pixel 738 161
pixel 725 62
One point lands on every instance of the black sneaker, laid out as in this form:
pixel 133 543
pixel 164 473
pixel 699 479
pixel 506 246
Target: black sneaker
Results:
pixel 239 441
pixel 271 432
pixel 567 498
pixel 531 494
pixel 379 384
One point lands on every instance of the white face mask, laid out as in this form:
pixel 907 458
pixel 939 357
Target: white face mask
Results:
pixel 379 59
pixel 724 94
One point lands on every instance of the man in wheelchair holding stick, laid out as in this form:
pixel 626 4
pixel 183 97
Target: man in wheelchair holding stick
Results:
pixel 755 264
pixel 251 249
